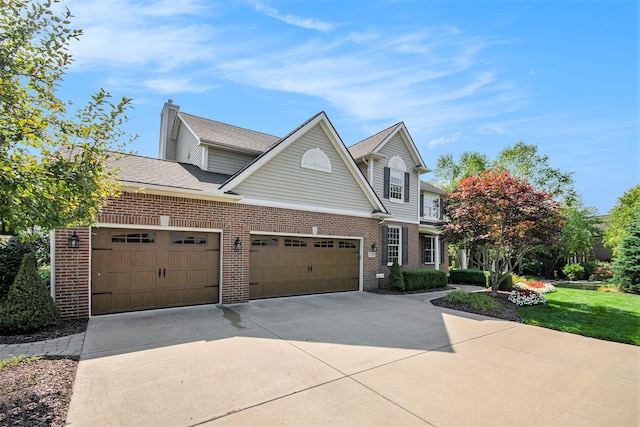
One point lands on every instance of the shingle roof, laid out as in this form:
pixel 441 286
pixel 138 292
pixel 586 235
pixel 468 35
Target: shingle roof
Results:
pixel 366 146
pixel 222 133
pixel 148 171
pixel 425 186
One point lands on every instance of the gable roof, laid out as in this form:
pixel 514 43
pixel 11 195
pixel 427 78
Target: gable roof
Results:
pixel 425 186
pixel 373 144
pixel 341 149
pixel 215 133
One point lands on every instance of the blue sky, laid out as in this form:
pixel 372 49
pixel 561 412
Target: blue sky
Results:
pixel 462 75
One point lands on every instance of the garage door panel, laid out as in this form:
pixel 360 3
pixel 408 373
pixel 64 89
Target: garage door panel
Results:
pixel 299 266
pixel 142 269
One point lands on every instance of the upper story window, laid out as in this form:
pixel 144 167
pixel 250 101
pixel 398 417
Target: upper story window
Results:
pixel 396 180
pixel 316 159
pixel 430 206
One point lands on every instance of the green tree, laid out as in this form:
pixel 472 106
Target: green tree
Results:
pixel 52 161
pixel 580 228
pixel 28 305
pixel 626 266
pixel 448 173
pixel 502 218
pixel 395 276
pixel 620 216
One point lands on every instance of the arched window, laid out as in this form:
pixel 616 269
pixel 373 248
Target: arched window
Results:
pixel 316 159
pixel 397 182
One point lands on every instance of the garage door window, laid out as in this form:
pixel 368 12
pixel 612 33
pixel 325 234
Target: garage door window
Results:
pixel 133 238
pixel 295 243
pixel 346 245
pixel 324 244
pixel 185 239
pixel 264 242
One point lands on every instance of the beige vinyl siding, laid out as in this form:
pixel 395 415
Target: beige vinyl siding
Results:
pixel 282 179
pixel 363 169
pixel 171 143
pixel 188 148
pixel 402 211
pixel 227 162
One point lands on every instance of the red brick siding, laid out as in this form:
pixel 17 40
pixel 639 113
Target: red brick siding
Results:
pixel 236 220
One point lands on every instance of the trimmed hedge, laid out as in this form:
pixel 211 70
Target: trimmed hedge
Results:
pixel 424 279
pixel 469 276
pixel 472 276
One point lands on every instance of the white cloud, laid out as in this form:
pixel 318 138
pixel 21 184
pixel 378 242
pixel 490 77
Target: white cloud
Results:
pixel 445 140
pixel 308 23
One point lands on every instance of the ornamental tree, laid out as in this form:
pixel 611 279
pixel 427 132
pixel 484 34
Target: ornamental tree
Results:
pixel 502 218
pixel 52 161
pixel 620 217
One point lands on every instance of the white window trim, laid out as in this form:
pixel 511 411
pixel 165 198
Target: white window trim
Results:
pixel 316 159
pixel 433 250
pixel 396 164
pixel 399 257
pixel 428 201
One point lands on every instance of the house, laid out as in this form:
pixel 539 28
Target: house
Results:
pixel 227 214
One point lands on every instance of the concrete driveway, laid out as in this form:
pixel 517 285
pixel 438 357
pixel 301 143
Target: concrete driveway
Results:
pixel 347 359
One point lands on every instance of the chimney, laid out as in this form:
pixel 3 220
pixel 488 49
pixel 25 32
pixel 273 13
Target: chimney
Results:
pixel 167 147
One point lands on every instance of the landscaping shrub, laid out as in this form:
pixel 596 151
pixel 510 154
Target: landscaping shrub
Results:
pixel 532 268
pixel 601 274
pixel 541 287
pixel 469 277
pixel 590 267
pixel 11 253
pixel 396 277
pixel 479 301
pixel 507 284
pixel 573 271
pixel 28 305
pixel 527 297
pixel 626 266
pixel 424 279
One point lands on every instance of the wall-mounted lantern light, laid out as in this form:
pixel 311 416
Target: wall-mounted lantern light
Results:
pixel 74 241
pixel 237 245
pixel 374 248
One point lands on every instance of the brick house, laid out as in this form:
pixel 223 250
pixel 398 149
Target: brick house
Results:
pixel 227 214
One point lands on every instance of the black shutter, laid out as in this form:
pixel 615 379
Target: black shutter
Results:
pixel 385 237
pixel 406 187
pixel 405 245
pixel 387 180
pixel 421 205
pixel 423 245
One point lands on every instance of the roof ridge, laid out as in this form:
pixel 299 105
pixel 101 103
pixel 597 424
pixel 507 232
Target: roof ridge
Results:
pixel 228 124
pixel 377 133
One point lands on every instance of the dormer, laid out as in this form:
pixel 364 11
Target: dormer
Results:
pixel 431 204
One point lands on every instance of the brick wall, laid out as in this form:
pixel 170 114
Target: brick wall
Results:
pixel 72 272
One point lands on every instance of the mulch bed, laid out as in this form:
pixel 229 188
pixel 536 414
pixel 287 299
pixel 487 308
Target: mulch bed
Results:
pixel 508 311
pixel 37 392
pixel 61 328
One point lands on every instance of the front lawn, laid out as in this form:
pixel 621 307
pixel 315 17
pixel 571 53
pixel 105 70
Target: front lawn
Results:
pixel 603 315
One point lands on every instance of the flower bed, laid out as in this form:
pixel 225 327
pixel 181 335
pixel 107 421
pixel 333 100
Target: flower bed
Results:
pixel 540 287
pixel 527 297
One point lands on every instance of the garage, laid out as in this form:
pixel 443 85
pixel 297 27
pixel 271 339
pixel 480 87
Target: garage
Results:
pixel 290 265
pixel 146 269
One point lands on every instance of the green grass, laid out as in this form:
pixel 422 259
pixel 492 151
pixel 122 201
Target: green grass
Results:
pixel 604 315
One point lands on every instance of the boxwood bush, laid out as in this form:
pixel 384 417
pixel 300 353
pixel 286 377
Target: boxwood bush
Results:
pixel 424 279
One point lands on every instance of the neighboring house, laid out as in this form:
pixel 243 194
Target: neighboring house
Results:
pixel 227 214
pixel 600 252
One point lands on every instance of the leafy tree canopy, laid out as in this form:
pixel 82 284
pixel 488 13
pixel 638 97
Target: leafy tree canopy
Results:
pixel 52 161
pixel 522 160
pixel 502 218
pixel 620 216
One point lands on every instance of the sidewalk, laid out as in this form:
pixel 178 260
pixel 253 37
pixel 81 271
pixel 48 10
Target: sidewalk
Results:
pixel 65 346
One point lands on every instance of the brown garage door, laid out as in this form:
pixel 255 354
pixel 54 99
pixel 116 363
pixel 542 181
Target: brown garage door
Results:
pixel 282 266
pixel 143 269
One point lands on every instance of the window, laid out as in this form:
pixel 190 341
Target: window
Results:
pixel 346 245
pixel 316 159
pixel 393 244
pixel 429 249
pixel 133 238
pixel 295 243
pixel 264 242
pixel 431 207
pixel 396 185
pixel 323 244
pixel 185 239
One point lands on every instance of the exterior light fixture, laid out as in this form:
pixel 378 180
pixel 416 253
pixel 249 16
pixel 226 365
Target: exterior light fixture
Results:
pixel 374 248
pixel 74 241
pixel 237 245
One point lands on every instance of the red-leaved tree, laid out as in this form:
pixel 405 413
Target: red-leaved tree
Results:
pixel 501 218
